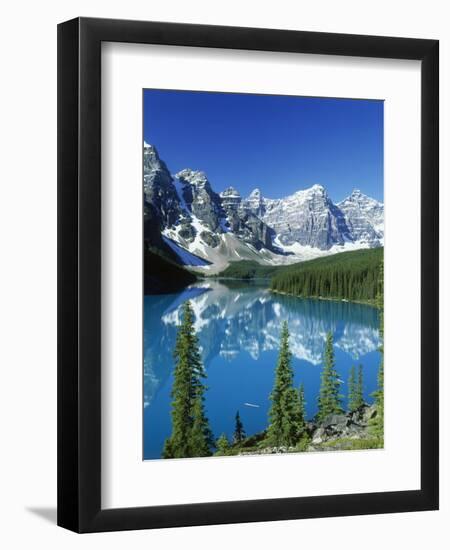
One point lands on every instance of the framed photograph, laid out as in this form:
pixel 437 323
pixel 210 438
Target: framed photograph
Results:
pixel 248 275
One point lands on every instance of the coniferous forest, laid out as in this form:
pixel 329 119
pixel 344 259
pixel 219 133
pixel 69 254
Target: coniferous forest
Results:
pixel 350 275
pixel 359 425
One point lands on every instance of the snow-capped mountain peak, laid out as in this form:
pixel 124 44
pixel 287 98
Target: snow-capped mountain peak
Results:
pixel 230 192
pixel 255 194
pixel 358 196
pixel 308 217
pixel 254 203
pixel 193 177
pixel 365 217
pixel 227 227
pixel 317 188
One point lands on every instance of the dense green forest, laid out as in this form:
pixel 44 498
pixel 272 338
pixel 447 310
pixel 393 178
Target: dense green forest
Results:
pixel 349 275
pixel 163 276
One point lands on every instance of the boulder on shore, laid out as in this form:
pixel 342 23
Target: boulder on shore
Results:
pixel 353 425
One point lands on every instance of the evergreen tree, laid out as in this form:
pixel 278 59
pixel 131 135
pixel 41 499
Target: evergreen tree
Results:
pixel 359 394
pixel 201 438
pixel 168 449
pixel 292 428
pixel 355 389
pixel 377 423
pixel 222 445
pixel 284 415
pixel 351 389
pixel 302 406
pixel 329 397
pixel 239 432
pixel 190 429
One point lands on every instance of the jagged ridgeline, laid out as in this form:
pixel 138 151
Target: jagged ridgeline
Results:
pixel 349 275
pixel 206 230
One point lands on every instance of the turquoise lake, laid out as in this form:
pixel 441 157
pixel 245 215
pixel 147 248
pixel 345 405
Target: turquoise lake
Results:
pixel 238 325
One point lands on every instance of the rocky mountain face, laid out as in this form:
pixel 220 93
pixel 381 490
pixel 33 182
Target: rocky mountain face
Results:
pixel 192 220
pixel 308 218
pixel 255 203
pixel 244 222
pixel 161 202
pixel 199 198
pixel 159 192
pixel 364 217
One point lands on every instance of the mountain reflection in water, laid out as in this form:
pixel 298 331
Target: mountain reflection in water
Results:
pixel 238 325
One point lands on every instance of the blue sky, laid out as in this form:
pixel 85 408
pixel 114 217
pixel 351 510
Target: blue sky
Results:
pixel 278 143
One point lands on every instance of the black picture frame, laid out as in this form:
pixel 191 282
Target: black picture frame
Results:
pixel 79 274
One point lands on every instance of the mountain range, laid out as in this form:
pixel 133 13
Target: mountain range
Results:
pixel 185 218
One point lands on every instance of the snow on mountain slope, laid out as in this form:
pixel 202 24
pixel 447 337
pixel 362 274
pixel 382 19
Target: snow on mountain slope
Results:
pixel 185 256
pixel 221 228
pixel 307 217
pixel 365 217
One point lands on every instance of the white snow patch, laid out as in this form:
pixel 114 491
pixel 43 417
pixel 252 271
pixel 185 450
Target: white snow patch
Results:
pixel 185 256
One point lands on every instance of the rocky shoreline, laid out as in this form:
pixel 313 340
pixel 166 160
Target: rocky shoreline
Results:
pixel 348 431
pixel 338 427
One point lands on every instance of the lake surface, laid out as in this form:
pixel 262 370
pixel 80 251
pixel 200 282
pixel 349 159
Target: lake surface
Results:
pixel 239 325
